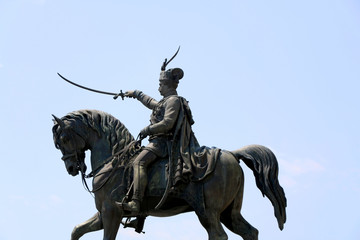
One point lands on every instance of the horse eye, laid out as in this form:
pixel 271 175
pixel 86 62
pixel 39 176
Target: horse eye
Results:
pixel 64 139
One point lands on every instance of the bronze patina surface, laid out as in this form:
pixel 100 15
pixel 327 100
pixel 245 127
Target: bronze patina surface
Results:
pixel 173 174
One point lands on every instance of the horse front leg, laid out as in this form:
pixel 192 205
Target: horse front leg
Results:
pixel 91 225
pixel 111 218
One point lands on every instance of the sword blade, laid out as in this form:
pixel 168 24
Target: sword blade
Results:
pixel 86 88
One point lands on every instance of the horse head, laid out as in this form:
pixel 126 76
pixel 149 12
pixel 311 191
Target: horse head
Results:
pixel 71 144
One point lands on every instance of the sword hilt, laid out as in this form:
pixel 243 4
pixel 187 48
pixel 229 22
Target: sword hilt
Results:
pixel 121 94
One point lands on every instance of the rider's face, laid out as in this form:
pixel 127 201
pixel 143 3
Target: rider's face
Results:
pixel 164 88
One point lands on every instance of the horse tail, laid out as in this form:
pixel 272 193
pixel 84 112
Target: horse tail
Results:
pixel 262 161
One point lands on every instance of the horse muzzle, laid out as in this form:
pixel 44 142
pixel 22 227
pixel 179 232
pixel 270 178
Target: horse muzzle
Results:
pixel 72 167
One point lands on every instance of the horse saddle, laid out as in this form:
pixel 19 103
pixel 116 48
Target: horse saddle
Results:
pixel 158 177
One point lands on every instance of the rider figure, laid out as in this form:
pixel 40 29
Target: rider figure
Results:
pixel 163 121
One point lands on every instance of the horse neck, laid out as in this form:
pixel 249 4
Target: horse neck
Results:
pixel 100 152
pixel 103 147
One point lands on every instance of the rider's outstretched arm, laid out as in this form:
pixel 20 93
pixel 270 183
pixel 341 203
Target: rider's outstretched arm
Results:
pixel 148 101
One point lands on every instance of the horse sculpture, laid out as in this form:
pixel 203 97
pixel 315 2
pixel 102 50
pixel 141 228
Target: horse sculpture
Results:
pixel 221 195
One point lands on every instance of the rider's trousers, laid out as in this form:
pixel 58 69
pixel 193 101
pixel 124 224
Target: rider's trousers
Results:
pixel 141 163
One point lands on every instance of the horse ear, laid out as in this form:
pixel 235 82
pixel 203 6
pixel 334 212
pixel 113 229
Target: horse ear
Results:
pixel 59 121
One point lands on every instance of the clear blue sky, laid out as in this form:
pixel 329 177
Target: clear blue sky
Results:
pixel 284 74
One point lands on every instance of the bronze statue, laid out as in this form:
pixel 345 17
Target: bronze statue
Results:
pixel 171 122
pixel 171 175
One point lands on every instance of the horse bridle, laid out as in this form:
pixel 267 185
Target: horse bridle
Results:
pixel 80 165
pixel 66 156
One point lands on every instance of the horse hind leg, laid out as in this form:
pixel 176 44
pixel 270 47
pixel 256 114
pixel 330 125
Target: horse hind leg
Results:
pixel 211 222
pixel 91 225
pixel 236 223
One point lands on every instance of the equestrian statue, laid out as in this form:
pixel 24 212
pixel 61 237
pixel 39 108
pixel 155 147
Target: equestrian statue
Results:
pixel 173 174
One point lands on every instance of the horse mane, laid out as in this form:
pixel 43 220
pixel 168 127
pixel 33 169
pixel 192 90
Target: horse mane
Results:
pixel 102 123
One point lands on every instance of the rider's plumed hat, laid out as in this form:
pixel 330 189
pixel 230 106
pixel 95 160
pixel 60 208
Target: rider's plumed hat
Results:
pixel 172 74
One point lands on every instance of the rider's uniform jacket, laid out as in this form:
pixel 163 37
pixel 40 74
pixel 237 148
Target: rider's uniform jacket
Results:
pixel 162 120
pixel 170 127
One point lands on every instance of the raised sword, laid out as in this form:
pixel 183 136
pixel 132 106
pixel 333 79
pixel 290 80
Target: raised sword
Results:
pixel 116 95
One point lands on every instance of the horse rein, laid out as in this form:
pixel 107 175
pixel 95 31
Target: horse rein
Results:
pixel 74 153
pixel 80 165
pixel 82 169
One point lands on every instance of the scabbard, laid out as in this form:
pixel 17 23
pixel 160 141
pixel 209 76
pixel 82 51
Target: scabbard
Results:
pixel 170 177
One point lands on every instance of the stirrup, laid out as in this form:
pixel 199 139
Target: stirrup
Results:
pixel 137 224
pixel 132 206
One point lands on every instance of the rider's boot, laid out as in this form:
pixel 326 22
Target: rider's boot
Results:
pixel 140 182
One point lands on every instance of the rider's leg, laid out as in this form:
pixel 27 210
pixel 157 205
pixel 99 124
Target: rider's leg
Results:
pixel 141 163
